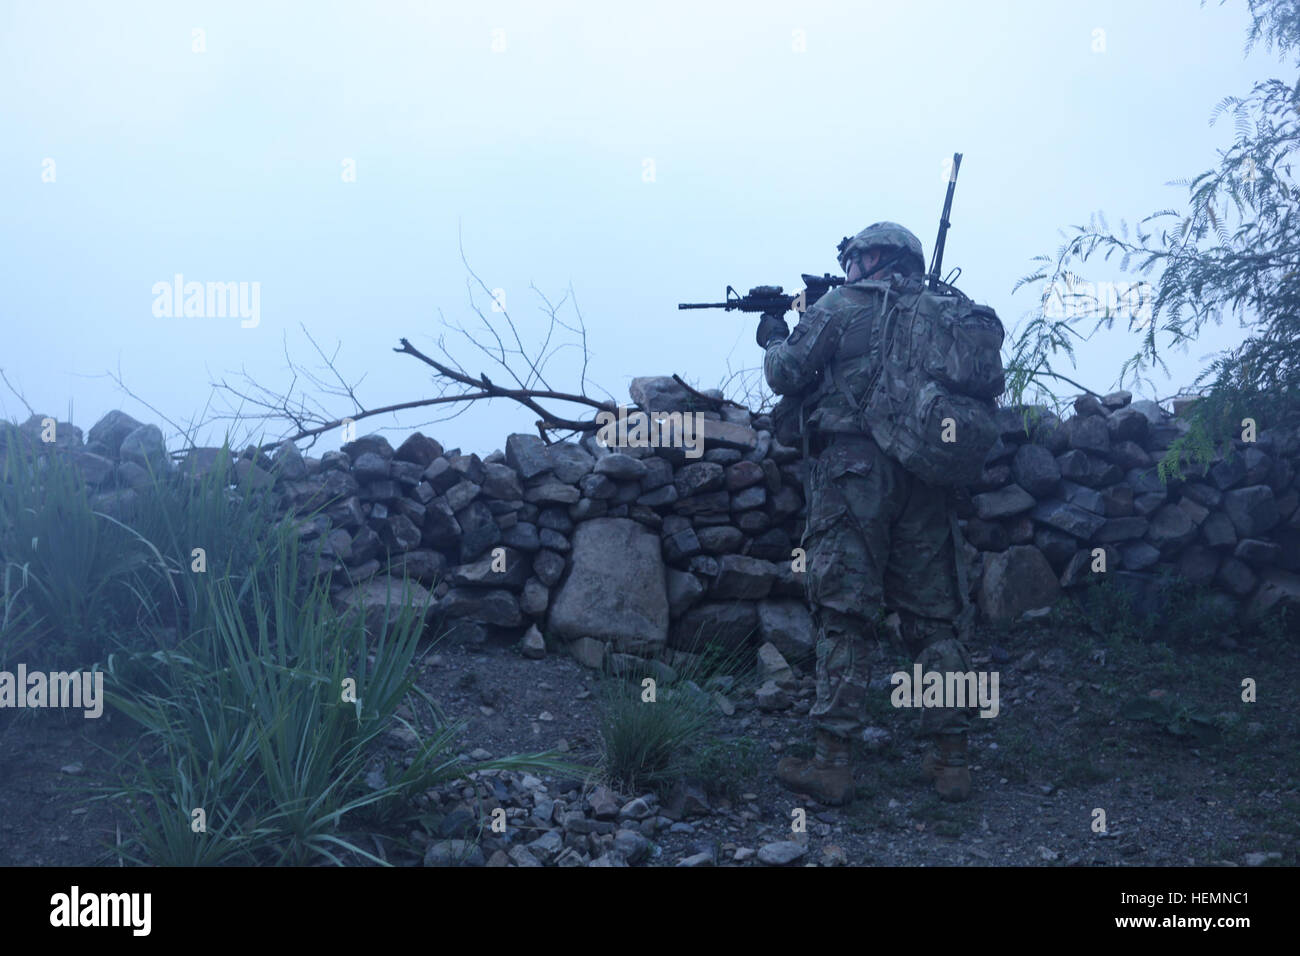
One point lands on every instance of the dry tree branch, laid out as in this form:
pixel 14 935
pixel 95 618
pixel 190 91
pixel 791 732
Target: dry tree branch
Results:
pixel 117 377
pixel 749 388
pixel 22 398
pixel 509 321
pixel 581 332
pixel 455 385
pixel 524 396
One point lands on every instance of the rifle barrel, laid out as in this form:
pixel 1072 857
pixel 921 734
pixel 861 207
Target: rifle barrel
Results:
pixel 703 305
pixel 936 262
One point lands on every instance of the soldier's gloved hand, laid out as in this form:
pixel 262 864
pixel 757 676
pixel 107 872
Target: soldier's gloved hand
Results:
pixel 770 329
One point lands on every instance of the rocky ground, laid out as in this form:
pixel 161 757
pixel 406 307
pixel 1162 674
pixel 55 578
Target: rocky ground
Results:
pixel 1158 739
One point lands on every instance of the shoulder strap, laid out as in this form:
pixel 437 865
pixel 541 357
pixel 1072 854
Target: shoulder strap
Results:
pixel 888 329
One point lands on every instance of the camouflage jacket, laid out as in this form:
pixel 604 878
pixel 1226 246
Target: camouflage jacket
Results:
pixel 835 344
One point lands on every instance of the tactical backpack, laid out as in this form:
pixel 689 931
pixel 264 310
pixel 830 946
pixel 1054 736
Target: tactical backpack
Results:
pixel 930 403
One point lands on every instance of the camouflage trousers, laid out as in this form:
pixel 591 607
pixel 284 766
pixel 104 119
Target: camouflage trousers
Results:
pixel 878 539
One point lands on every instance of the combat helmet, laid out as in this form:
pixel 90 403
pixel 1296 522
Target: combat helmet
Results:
pixel 889 237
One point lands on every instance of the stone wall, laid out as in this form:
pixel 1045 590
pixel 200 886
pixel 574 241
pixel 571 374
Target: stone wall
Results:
pixel 628 552
pixel 1083 496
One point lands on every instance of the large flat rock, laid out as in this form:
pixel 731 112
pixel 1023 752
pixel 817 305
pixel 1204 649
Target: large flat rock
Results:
pixel 616 589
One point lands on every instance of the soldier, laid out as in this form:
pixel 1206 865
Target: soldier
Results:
pixel 876 536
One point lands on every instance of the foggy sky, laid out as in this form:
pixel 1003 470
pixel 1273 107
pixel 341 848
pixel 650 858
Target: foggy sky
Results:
pixel 639 156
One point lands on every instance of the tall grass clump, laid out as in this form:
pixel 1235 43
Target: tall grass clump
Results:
pixel 75 578
pixel 269 721
pixel 653 743
pixel 261 707
pixel 235 526
pixel 264 721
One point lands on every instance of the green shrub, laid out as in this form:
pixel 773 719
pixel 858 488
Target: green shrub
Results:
pixel 235 673
pixel 251 725
pixel 86 577
pixel 1169 610
pixel 237 529
pixel 643 743
pixel 80 583
pixel 19 629
pixel 728 764
pixel 247 720
pixel 648 744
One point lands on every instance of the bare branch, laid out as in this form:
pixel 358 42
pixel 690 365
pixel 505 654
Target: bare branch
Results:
pixel 526 397
pixel 455 385
pixel 715 402
pixel 21 397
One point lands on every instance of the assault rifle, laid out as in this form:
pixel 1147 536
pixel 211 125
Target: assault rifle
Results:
pixel 771 298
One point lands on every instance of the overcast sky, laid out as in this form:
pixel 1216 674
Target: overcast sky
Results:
pixel 640 155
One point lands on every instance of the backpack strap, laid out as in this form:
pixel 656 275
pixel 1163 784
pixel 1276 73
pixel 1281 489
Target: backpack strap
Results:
pixel 885 334
pixel 835 381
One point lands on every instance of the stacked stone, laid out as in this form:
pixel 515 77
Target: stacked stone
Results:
pixel 115 459
pixel 678 548
pixel 1053 492
pixel 727 522
pixel 629 554
pixel 485 545
pixel 397 523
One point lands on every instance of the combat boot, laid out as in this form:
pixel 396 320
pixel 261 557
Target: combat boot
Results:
pixel 946 766
pixel 827 777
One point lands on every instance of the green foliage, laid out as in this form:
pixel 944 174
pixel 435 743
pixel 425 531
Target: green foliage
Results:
pixel 712 663
pixel 644 744
pixel 242 705
pixel 19 629
pixel 75 578
pixel 649 744
pixel 1231 253
pixel 1021 754
pixel 80 583
pixel 1195 448
pixel 1173 612
pixel 1277 23
pixel 728 764
pixel 247 720
pixel 252 724
pixel 236 528
pixel 1173 716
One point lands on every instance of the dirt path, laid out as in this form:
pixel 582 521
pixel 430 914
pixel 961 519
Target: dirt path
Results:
pixel 1059 751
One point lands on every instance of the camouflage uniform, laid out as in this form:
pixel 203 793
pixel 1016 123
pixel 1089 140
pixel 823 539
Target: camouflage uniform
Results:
pixel 876 537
